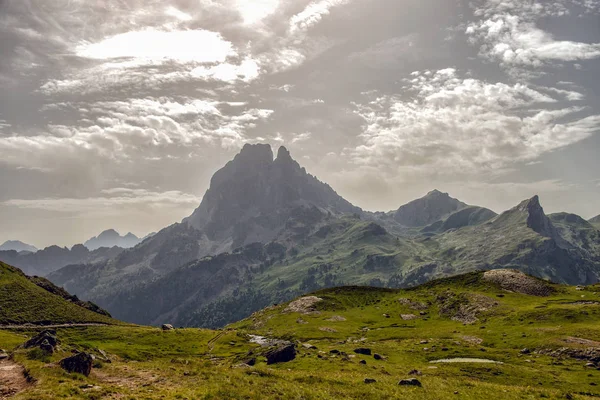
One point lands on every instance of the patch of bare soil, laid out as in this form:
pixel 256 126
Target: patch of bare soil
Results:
pixel 12 379
pixel 518 282
pixel 303 305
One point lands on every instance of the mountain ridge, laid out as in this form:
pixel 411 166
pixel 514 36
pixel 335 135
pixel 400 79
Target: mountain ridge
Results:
pixel 17 246
pixel 267 231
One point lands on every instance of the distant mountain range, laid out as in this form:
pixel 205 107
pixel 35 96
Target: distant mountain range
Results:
pixel 267 231
pixel 110 238
pixel 17 246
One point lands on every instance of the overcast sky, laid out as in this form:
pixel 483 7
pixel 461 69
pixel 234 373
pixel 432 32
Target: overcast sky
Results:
pixel 116 113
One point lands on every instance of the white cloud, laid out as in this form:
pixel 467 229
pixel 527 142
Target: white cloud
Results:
pixel 508 33
pixel 153 45
pixel 452 125
pixel 313 14
pixel 302 137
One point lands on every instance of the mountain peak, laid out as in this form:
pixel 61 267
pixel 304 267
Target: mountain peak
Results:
pixel 253 195
pixel 283 154
pixel 255 154
pixel 110 238
pixel 18 246
pixel 437 193
pixel 430 208
pixel 109 233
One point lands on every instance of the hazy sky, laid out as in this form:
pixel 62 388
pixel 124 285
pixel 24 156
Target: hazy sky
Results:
pixel 115 113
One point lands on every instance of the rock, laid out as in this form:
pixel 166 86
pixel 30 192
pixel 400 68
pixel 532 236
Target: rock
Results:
pixel 103 356
pixel 386 315
pixel 410 382
pixel 334 351
pixel 47 335
pixel 378 356
pixel 303 305
pixel 408 317
pixel 250 361
pixel 525 351
pixel 167 327
pixel 283 353
pixel 3 355
pixel 363 350
pixel 370 380
pixel 444 349
pixel 424 342
pixel 47 347
pixel 364 362
pixel 590 364
pixel 415 372
pixel 309 346
pixel 80 363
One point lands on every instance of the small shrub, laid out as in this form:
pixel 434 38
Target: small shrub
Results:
pixel 38 355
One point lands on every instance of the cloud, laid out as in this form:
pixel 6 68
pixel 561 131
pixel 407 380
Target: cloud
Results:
pixel 129 130
pixel 455 125
pixel 114 198
pixel 508 33
pixel 153 45
pixel 313 14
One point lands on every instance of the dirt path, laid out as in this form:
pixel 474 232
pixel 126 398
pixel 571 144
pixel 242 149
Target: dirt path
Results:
pixel 12 379
pixel 29 326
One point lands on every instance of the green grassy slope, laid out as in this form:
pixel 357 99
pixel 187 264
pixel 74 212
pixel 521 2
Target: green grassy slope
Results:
pixel 22 301
pixel 202 364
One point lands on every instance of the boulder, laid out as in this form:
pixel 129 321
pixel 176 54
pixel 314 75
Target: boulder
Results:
pixel 167 327
pixel 370 380
pixel 309 346
pixel 378 356
pixel 3 354
pixel 410 382
pixel 363 350
pixel 47 347
pixel 48 336
pixel 362 362
pixel 80 363
pixel 282 353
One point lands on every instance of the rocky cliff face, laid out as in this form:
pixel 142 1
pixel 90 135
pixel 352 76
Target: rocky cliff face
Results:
pixel 251 197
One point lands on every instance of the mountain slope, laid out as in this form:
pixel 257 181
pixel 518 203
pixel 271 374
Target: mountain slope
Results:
pixel 23 301
pixel 469 216
pixel 524 238
pixel 499 335
pixel 17 246
pixel 595 221
pixel 111 238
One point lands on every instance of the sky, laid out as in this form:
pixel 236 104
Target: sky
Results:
pixel 116 113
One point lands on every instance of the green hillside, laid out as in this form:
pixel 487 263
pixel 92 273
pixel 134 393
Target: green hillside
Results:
pixel 503 334
pixel 24 302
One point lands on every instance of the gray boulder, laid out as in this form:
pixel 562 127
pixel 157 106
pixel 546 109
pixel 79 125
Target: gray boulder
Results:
pixel 80 363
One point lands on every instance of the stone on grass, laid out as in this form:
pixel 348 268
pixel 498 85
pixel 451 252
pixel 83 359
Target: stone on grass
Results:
pixel 363 350
pixel 410 382
pixel 370 380
pixel 167 327
pixel 80 363
pixel 282 353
